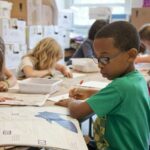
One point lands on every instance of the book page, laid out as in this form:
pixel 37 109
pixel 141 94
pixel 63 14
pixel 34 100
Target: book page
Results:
pixel 24 99
pixel 34 126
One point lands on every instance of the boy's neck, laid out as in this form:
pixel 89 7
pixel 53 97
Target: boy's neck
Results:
pixel 129 69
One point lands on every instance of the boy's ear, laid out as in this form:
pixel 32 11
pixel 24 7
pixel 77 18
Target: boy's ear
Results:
pixel 132 54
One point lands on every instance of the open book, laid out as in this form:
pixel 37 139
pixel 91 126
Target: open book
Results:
pixel 39 127
pixel 24 99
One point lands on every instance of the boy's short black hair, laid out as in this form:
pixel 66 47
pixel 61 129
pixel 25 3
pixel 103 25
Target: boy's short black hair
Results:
pixel 124 34
pixel 96 26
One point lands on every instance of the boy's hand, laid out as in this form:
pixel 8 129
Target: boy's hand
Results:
pixel 79 93
pixel 64 102
pixel 3 86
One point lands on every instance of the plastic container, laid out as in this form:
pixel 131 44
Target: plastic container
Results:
pixel 84 65
pixel 39 85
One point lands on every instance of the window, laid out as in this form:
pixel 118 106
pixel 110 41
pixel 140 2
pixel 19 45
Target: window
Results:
pixel 120 9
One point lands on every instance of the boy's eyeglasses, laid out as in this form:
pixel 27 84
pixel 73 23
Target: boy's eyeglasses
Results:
pixel 105 60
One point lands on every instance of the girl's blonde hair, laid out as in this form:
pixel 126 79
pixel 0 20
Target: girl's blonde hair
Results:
pixel 46 53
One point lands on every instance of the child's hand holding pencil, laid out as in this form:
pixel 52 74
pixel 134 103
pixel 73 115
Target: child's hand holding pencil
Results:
pixel 65 102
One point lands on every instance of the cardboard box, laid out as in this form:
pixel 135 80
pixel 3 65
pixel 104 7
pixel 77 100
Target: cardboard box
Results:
pixel 65 19
pixel 34 35
pixel 18 24
pixel 14 53
pixel 12 28
pixel 5 9
pixel 35 12
pixel 140 16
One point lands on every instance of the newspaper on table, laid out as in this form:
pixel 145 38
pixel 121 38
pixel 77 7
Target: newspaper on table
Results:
pixel 39 127
pixel 24 99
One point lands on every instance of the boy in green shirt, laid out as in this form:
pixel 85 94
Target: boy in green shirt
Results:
pixel 125 101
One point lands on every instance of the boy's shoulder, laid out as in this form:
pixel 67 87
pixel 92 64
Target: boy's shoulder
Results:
pixel 128 79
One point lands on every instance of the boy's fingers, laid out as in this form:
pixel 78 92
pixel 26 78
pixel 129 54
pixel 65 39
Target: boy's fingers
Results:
pixel 72 92
pixel 62 103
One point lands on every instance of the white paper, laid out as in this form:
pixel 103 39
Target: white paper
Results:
pixel 76 75
pixel 24 99
pixel 40 127
pixel 59 97
pixel 95 84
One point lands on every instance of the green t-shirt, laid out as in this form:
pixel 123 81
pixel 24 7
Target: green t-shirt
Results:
pixel 126 104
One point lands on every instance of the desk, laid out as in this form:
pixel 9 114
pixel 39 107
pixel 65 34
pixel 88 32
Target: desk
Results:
pixel 66 84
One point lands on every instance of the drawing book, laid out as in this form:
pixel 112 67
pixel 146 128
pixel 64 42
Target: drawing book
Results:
pixel 39 127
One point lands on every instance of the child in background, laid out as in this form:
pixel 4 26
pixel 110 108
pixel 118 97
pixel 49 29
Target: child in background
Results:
pixel 86 49
pixel 42 60
pixel 125 101
pixel 145 41
pixel 7 79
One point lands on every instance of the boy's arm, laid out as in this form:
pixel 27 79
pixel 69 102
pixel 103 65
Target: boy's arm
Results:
pixel 82 92
pixel 79 109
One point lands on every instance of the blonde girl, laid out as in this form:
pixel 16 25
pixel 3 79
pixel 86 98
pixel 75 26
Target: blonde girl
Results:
pixel 41 61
